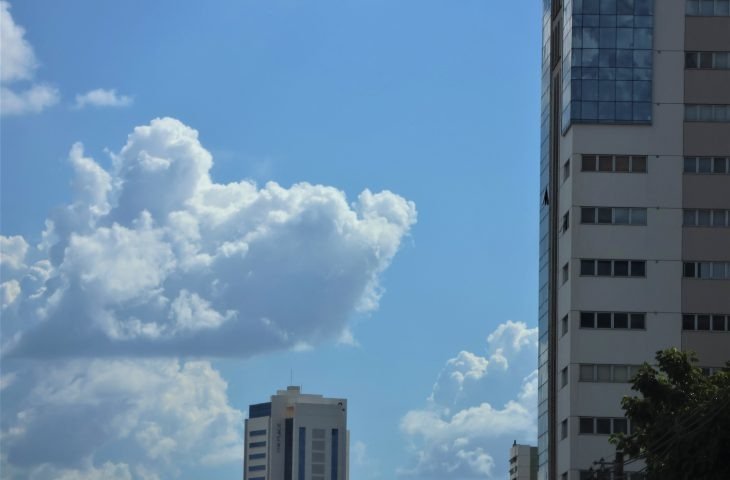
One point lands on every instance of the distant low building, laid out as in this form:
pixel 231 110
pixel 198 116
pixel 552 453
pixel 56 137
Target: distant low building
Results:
pixel 297 437
pixel 522 462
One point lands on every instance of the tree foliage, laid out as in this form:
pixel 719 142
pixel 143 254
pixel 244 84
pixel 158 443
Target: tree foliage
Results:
pixel 681 421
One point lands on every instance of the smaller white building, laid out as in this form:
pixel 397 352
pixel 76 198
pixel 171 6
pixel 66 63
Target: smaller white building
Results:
pixel 297 437
pixel 522 462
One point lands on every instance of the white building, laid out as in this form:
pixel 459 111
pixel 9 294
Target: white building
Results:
pixel 297 437
pixel 522 462
pixel 634 222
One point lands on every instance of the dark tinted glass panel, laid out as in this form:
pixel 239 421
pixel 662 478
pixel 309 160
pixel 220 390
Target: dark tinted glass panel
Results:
pixel 605 163
pixel 603 426
pixel 622 163
pixel 638 321
pixel 719 165
pixel 718 323
pixel 689 269
pixel 603 319
pixel 620 425
pixel 587 267
pixel 585 425
pixel 588 163
pixel 621 268
pixel 620 320
pixel 703 322
pixel 588 215
pixel 638 269
pixel 605 215
pixel 688 322
pixel 587 320
pixel 604 268
pixel 638 164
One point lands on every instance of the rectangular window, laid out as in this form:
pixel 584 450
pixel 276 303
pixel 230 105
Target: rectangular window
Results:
pixel 708 8
pixel 613 215
pixel 566 221
pixel 335 455
pixel 585 425
pixel 638 321
pixel 638 268
pixel 707 270
pixel 302 453
pixel 256 444
pixel 706 113
pixel 603 426
pixel 618 320
pixel 614 163
pixel 256 456
pixel 688 322
pixel 257 433
pixel 603 320
pixel 566 170
pixel 256 468
pixel 563 377
pixel 564 429
pixel 564 324
pixel 587 320
pixel 586 373
pixel 566 272
pixel 707 60
pixel 718 323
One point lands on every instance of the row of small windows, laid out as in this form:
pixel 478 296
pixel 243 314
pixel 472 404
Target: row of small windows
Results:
pixel 256 433
pixel 618 320
pixel 707 113
pixel 257 468
pixel 613 7
pixel 614 163
pixel 708 8
pixel 707 165
pixel 715 323
pixel 602 426
pixel 613 215
pixel 707 270
pixel 256 456
pixel 613 268
pixel 256 444
pixel 707 60
pixel 606 373
pixel 706 218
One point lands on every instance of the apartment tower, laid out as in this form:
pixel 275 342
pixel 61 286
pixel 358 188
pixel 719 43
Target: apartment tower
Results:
pixel 635 216
pixel 297 437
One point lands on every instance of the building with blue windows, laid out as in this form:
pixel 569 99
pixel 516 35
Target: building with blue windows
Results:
pixel 297 436
pixel 635 214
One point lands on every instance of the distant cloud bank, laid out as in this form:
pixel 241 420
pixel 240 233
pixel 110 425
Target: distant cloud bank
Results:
pixel 458 433
pixel 151 261
pixel 102 98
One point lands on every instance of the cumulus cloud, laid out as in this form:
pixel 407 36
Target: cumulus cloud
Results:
pixel 18 64
pixel 460 433
pixel 154 258
pixel 167 413
pixel 102 98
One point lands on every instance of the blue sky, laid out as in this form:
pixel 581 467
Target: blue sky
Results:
pixel 431 106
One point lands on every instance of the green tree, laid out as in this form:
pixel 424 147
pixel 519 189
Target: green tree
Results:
pixel 680 425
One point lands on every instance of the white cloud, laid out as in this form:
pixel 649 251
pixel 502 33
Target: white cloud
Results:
pixel 171 414
pixel 458 433
pixel 12 251
pixel 102 98
pixel 18 64
pixel 154 258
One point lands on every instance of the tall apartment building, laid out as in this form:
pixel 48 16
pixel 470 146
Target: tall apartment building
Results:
pixel 635 217
pixel 297 437
pixel 522 462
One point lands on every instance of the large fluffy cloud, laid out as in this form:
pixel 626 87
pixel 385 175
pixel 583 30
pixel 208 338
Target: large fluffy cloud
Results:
pixel 17 65
pixel 164 414
pixel 460 433
pixel 154 258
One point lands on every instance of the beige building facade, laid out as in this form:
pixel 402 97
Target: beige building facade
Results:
pixel 635 217
pixel 297 436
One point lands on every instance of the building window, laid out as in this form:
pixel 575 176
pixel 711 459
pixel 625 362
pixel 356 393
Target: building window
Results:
pixel 706 113
pixel 566 170
pixel 715 322
pixel 564 324
pixel 613 268
pixel 603 425
pixel 604 373
pixel 563 377
pixel 566 272
pixel 256 456
pixel 613 215
pixel 707 60
pixel 618 320
pixel 707 165
pixel 614 163
pixel 564 429
pixel 256 444
pixel 707 270
pixel 566 221
pixel 256 468
pixel 257 433
pixel 708 8
pixel 717 218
